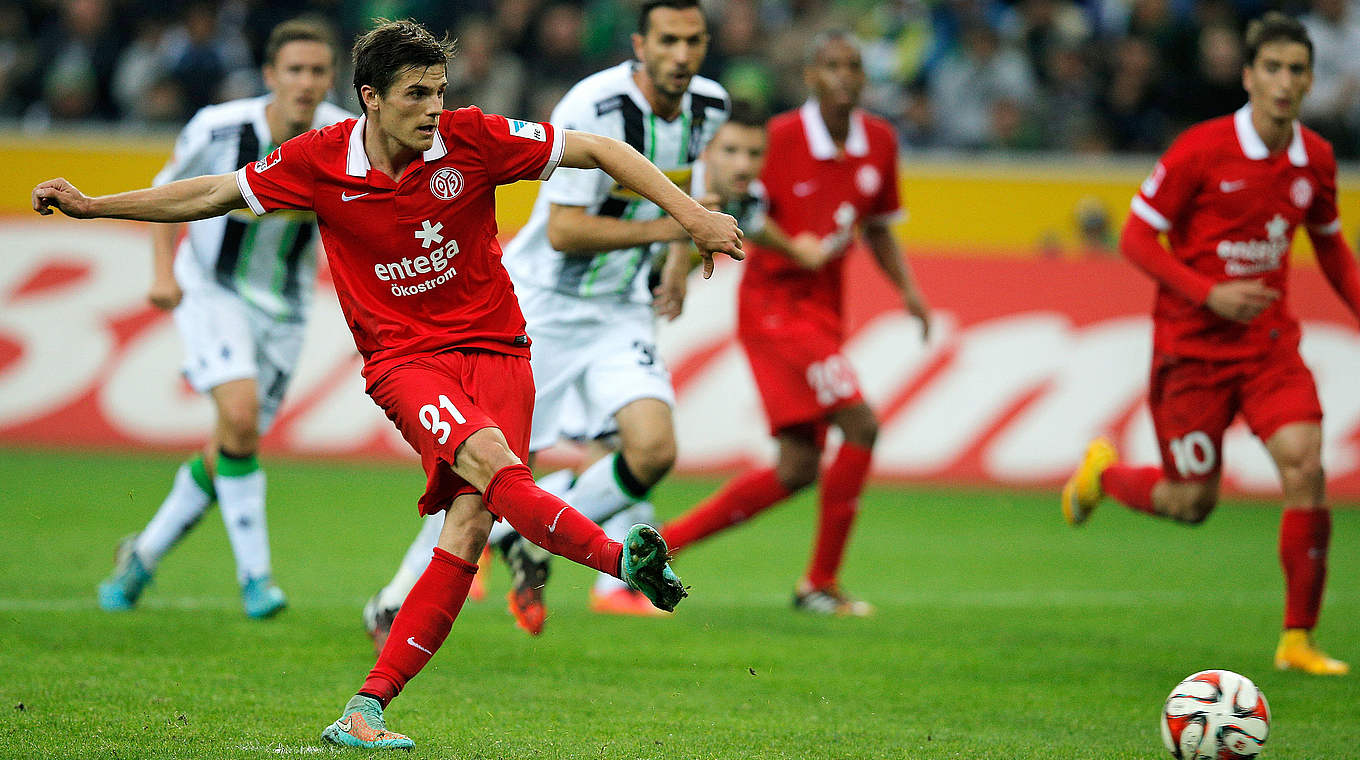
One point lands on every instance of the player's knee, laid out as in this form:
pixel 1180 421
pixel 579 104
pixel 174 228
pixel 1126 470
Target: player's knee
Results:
pixel 796 472
pixel 1194 507
pixel 1303 474
pixel 863 433
pixel 239 427
pixel 481 456
pixel 650 458
pixel 858 426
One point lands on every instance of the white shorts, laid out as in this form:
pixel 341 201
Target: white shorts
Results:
pixel 225 339
pixel 590 359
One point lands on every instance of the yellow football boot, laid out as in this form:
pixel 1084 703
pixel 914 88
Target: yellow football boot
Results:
pixel 1298 652
pixel 1082 492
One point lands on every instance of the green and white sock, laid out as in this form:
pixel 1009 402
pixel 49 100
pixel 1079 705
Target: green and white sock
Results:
pixel 240 487
pixel 599 493
pixel 190 496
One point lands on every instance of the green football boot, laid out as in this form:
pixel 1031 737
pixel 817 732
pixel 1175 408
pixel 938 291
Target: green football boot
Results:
pixel 646 568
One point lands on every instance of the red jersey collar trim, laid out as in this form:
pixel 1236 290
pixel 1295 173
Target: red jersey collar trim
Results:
pixel 1254 147
pixel 820 144
pixel 357 163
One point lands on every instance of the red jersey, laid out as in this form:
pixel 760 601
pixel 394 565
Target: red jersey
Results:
pixel 813 187
pixel 1229 210
pixel 416 264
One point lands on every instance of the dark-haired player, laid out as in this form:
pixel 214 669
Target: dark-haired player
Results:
pixel 1228 195
pixel 404 198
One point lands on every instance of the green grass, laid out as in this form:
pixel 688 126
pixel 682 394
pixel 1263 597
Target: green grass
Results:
pixel 1001 633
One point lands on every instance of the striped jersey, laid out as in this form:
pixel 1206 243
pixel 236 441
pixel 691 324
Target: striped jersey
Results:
pixel 609 103
pixel 270 262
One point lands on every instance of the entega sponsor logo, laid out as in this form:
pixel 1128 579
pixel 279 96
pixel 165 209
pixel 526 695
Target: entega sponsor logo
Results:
pixel 439 261
pixel 1253 256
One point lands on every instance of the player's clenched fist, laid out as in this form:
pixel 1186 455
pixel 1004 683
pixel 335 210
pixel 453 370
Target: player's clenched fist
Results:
pixel 58 193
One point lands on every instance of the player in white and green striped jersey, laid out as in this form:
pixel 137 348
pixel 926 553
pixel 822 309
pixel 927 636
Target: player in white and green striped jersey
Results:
pixel 240 288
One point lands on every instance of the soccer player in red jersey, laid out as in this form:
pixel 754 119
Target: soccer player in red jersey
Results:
pixel 830 168
pixel 1228 194
pixel 404 199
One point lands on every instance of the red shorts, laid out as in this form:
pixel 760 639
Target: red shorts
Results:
pixel 1194 401
pixel 802 376
pixel 438 401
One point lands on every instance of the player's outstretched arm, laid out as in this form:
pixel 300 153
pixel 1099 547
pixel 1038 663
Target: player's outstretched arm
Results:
pixel 884 247
pixel 182 201
pixel 712 231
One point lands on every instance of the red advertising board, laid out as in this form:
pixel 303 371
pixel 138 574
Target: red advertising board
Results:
pixel 1028 359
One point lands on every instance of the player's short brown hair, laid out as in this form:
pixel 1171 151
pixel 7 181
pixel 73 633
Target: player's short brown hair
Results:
pixel 645 14
pixel 1276 27
pixel 390 48
pixel 306 28
pixel 747 114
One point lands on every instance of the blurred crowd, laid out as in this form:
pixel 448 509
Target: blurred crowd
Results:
pixel 1091 77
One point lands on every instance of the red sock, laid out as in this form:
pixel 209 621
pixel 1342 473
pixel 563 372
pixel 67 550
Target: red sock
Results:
pixel 1304 536
pixel 550 522
pixel 1131 486
pixel 421 625
pixel 741 499
pixel 841 487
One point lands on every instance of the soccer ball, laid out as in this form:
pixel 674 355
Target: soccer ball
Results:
pixel 1215 715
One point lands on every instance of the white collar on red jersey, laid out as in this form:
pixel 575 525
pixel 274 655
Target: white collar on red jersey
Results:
pixel 820 144
pixel 357 164
pixel 1255 148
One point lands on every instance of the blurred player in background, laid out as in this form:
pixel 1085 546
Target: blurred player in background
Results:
pixel 1228 195
pixel 831 168
pixel 405 202
pixel 583 268
pixel 240 288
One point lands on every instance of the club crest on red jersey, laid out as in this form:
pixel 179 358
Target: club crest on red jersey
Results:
pixel 446 183
pixel 1301 192
pixel 868 180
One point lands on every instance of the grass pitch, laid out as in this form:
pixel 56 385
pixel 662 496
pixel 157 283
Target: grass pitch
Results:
pixel 1001 632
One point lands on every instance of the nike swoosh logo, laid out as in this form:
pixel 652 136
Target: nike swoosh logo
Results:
pixel 344 725
pixel 553 528
pixel 1232 187
pixel 412 641
pixel 347 197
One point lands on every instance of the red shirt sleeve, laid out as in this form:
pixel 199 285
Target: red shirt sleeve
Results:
pixel 514 150
pixel 1334 254
pixel 1322 214
pixel 1139 244
pixel 1167 192
pixel 886 203
pixel 282 180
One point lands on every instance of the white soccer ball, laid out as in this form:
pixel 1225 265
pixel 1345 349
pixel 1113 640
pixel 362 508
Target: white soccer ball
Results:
pixel 1215 715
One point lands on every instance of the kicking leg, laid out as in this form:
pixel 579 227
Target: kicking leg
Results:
pixel 485 461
